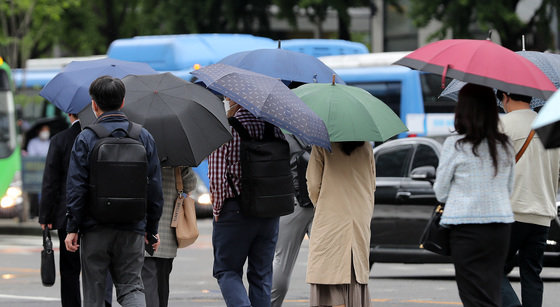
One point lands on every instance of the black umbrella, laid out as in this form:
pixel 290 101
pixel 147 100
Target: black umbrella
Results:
pixel 187 121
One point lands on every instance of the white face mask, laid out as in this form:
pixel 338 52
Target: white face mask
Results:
pixel 44 135
pixel 226 105
pixel 93 111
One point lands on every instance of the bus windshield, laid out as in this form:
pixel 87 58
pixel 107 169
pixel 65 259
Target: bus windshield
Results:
pixel 431 89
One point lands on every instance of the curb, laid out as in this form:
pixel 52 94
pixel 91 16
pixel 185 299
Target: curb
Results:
pixel 13 227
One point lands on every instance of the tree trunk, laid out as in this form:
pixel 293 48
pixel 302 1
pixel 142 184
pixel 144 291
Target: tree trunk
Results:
pixel 343 28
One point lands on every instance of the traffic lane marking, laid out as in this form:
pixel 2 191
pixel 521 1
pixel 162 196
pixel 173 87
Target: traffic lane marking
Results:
pixel 34 298
pixel 374 300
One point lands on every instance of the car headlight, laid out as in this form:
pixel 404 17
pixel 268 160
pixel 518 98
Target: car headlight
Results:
pixel 204 199
pixel 14 194
pixel 201 193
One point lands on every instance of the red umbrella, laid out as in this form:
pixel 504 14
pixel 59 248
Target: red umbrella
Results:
pixel 481 62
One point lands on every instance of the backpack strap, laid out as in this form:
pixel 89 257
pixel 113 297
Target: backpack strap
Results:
pixel 133 130
pixel 99 130
pixel 232 186
pixel 268 131
pixel 236 124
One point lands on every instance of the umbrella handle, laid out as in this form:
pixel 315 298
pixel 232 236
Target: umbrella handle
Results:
pixel 443 76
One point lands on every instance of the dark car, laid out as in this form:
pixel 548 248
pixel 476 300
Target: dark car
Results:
pixel 404 201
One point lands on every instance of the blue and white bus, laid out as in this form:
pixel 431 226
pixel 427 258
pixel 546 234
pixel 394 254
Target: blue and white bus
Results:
pixel 182 53
pixel 412 94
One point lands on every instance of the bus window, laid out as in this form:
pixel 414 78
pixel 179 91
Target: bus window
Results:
pixel 431 88
pixel 389 92
pixel 7 135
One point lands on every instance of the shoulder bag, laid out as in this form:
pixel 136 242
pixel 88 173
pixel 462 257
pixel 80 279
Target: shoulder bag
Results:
pixel 184 215
pixel 435 237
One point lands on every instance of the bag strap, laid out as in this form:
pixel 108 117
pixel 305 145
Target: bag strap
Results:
pixel 47 242
pixel 179 201
pixel 231 185
pixel 178 180
pixel 268 131
pixel 236 124
pixel 525 145
pixel 244 134
pixel 133 130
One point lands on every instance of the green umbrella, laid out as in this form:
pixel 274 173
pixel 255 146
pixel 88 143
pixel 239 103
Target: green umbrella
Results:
pixel 351 113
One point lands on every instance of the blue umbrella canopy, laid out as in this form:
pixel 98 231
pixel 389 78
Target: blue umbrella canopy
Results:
pixel 549 63
pixel 266 98
pixel 69 89
pixel 289 66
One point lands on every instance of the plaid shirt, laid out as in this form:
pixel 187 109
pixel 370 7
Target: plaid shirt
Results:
pixel 226 159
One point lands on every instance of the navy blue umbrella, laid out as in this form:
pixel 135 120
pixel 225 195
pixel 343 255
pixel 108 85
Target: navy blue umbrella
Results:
pixel 69 89
pixel 266 98
pixel 283 64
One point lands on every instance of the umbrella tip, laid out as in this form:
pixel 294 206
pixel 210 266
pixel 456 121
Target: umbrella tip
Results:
pixel 333 77
pixel 489 38
pixel 279 44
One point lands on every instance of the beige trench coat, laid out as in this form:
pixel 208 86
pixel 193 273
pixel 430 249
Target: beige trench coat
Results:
pixel 341 188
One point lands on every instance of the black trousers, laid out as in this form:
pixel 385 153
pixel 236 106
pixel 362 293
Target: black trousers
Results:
pixel 479 254
pixel 530 241
pixel 69 274
pixel 155 276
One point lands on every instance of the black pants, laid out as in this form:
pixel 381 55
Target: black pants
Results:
pixel 530 241
pixel 155 276
pixel 69 274
pixel 479 254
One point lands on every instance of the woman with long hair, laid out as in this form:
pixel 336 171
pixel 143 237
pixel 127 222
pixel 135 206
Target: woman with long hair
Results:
pixel 475 181
pixel 341 186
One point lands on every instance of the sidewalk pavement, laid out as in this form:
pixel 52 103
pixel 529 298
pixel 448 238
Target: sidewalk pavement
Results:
pixel 15 227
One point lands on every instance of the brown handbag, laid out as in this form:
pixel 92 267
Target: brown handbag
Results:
pixel 184 215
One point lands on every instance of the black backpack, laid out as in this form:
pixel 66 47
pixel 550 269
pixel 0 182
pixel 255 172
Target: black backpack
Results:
pixel 266 178
pixel 118 176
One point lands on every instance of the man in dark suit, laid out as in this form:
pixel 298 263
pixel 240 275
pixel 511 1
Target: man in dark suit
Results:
pixel 52 208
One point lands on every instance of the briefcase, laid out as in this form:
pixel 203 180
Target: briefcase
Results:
pixel 48 271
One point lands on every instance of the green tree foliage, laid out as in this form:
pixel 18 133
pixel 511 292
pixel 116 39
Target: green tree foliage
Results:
pixel 210 16
pixel 465 18
pixel 316 11
pixel 26 25
pixel 47 28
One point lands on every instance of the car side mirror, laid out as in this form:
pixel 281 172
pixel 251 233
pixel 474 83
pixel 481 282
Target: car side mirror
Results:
pixel 427 173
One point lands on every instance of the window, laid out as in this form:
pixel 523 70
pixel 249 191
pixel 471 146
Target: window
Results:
pixel 425 156
pixel 393 162
pixel 4 81
pixel 388 92
pixel 431 89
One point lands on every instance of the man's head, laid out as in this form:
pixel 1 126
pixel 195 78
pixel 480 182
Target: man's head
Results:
pixel 512 102
pixel 107 93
